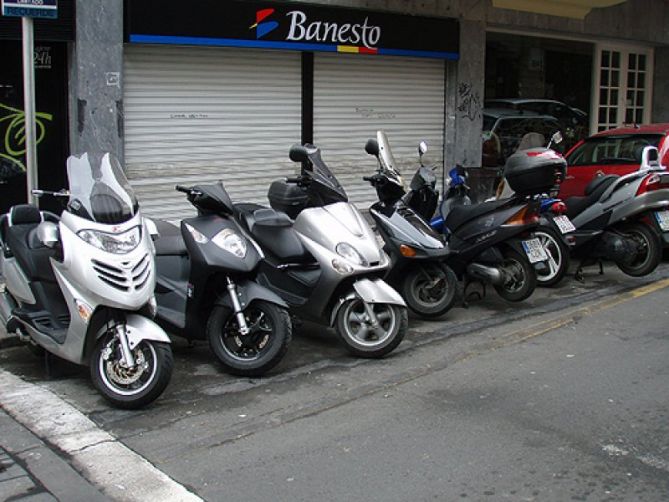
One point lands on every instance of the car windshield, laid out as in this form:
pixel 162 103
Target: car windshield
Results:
pixel 99 191
pixel 619 149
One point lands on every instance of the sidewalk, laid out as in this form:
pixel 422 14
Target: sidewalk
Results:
pixel 31 471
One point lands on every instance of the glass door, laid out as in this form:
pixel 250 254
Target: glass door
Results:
pixel 623 87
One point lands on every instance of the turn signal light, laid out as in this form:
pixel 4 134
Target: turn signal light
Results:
pixel 525 216
pixel 407 251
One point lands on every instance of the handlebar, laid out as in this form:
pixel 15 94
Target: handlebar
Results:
pixel 181 188
pixel 368 178
pixel 40 193
pixel 294 180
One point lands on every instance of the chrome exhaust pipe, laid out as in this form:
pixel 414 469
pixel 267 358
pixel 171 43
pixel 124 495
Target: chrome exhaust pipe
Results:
pixel 490 275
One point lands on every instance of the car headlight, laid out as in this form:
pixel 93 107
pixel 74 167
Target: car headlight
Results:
pixel 113 243
pixel 345 250
pixel 230 241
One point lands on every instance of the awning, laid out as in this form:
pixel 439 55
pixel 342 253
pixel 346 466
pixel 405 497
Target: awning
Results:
pixel 577 9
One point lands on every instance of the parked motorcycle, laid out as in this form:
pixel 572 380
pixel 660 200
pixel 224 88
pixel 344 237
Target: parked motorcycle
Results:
pixel 555 228
pixel 326 263
pixel 624 219
pixel 206 288
pixel 80 286
pixel 492 241
pixel 417 254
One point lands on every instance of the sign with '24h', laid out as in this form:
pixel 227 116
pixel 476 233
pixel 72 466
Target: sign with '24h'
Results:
pixel 30 8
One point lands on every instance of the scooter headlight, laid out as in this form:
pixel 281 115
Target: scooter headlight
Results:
pixel 230 241
pixel 345 250
pixel 121 243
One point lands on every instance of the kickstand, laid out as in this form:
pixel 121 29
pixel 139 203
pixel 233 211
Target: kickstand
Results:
pixel 579 274
pixel 601 267
pixel 474 295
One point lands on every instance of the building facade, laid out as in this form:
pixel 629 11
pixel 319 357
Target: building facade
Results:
pixel 220 89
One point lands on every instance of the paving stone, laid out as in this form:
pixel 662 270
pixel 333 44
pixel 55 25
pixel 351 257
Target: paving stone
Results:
pixel 13 488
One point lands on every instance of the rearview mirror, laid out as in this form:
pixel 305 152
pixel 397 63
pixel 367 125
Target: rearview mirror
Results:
pixel 556 138
pixel 372 147
pixel 298 153
pixel 422 148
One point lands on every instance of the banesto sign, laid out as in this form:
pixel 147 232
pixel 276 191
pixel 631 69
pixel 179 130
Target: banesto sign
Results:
pixel 336 33
pixel 290 26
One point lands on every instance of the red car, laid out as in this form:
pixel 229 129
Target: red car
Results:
pixel 616 151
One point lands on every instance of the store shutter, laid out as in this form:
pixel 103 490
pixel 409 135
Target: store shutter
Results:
pixel 356 95
pixel 197 115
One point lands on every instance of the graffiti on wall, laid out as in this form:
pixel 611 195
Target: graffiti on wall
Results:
pixel 469 102
pixel 13 149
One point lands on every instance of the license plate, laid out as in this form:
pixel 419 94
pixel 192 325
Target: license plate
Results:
pixel 662 218
pixel 534 250
pixel 564 224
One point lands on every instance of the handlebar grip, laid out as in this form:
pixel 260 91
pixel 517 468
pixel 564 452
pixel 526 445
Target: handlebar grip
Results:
pixel 293 180
pixel 367 178
pixel 181 188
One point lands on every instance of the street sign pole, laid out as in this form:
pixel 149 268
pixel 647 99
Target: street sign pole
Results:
pixel 29 106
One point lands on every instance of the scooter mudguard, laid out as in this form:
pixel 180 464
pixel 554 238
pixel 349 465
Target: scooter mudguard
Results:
pixel 248 291
pixel 140 328
pixel 377 291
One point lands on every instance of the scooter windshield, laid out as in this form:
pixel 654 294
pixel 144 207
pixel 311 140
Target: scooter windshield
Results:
pixel 323 182
pixel 99 190
pixel 386 158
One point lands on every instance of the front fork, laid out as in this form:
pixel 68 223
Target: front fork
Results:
pixel 127 358
pixel 234 298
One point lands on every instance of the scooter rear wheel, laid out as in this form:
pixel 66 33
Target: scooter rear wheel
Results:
pixel 361 338
pixel 430 289
pixel 131 388
pixel 257 352
pixel 520 279
pixel 558 257
pixel 649 248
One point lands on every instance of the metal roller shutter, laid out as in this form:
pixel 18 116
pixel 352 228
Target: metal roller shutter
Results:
pixel 197 115
pixel 356 95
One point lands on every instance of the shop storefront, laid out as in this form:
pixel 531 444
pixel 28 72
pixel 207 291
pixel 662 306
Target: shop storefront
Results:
pixel 221 92
pixel 50 57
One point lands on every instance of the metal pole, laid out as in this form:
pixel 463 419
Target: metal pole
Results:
pixel 29 106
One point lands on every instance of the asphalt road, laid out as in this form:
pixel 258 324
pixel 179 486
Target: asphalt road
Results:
pixel 564 398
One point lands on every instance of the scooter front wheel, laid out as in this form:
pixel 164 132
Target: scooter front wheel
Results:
pixel 367 337
pixel 134 387
pixel 258 351
pixel 520 279
pixel 430 289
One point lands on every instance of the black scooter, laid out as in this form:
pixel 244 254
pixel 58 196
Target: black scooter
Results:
pixel 206 289
pixel 493 241
pixel 417 253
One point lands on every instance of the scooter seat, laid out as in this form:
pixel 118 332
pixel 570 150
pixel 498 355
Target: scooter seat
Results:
pixel 593 192
pixel 459 215
pixel 33 256
pixel 274 232
pixel 170 242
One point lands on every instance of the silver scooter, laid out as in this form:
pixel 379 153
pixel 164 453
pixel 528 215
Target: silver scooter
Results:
pixel 624 219
pixel 80 286
pixel 323 259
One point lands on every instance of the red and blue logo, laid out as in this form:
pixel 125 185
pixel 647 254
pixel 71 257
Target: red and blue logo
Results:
pixel 264 27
